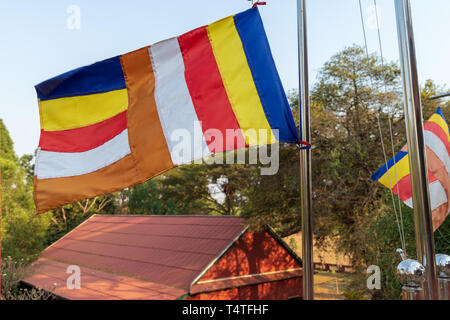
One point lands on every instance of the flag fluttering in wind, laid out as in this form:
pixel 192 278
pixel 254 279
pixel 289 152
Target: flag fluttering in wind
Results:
pixel 395 174
pixel 121 121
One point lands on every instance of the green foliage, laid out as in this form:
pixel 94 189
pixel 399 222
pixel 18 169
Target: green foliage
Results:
pixel 144 199
pixel 6 144
pixel 354 295
pixel 23 233
pixel 26 162
pixel 205 188
pixel 274 199
pixel 442 238
pixel 352 92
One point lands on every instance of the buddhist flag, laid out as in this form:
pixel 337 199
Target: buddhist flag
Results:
pixel 121 121
pixel 395 174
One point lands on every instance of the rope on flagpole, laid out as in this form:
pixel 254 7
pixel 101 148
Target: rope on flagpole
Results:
pixel 399 220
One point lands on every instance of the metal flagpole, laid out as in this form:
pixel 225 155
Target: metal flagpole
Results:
pixel 416 148
pixel 438 96
pixel 305 156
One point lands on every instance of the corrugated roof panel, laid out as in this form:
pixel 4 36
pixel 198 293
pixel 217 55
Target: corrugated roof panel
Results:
pixel 51 276
pixel 168 251
pixel 156 242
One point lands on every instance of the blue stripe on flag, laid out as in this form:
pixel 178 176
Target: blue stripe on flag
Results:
pixel 382 170
pixel 103 76
pixel 439 112
pixel 267 81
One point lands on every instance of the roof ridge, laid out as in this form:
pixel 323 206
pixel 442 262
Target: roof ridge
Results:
pixel 159 235
pixel 164 224
pixel 167 216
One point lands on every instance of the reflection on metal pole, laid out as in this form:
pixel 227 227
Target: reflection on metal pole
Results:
pixel 416 148
pixel 305 156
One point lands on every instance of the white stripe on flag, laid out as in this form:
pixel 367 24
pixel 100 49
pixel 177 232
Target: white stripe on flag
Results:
pixel 409 203
pixel 64 164
pixel 438 196
pixel 437 146
pixel 174 103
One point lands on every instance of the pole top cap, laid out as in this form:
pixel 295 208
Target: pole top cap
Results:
pixel 411 273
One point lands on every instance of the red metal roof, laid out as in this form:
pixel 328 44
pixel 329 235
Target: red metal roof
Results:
pixel 134 257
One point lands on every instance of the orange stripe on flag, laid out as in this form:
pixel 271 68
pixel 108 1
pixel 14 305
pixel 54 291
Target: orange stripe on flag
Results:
pixel 147 141
pixel 53 193
pixel 437 167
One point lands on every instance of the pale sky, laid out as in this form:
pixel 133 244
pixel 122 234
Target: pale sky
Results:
pixel 36 43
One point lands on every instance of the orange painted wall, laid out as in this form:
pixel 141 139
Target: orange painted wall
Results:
pixel 253 253
pixel 277 290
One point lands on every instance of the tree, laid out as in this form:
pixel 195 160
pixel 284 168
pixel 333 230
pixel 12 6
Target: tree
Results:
pixel 274 199
pixel 204 188
pixel 23 233
pixel 68 217
pixel 145 199
pixel 6 144
pixel 354 94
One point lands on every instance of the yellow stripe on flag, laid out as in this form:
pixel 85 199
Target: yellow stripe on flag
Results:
pixel 391 177
pixel 81 111
pixel 238 82
pixel 436 118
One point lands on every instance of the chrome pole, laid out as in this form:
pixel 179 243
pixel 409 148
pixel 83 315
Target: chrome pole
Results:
pixel 416 148
pixel 305 156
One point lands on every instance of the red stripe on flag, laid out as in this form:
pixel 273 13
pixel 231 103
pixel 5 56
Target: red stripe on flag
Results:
pixel 207 90
pixel 439 132
pixel 85 138
pixel 404 186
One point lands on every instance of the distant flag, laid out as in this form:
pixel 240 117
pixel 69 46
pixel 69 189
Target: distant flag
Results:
pixel 113 124
pixel 437 142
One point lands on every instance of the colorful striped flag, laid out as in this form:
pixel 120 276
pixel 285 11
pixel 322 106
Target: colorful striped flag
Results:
pixel 116 123
pixel 395 174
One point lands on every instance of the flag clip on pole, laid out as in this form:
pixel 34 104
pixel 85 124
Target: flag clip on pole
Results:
pixel 416 149
pixel 262 3
pixel 305 156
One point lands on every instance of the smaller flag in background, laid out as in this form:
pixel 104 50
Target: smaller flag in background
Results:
pixel 395 174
